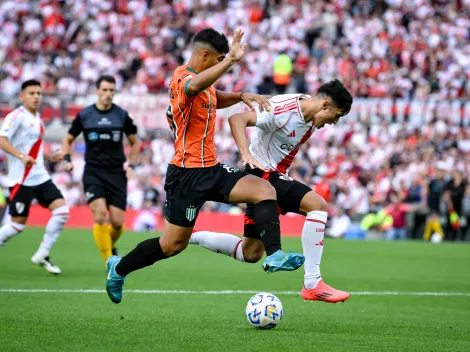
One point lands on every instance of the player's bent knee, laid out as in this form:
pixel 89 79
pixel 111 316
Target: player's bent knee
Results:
pixel 117 224
pixel 173 247
pixel 313 202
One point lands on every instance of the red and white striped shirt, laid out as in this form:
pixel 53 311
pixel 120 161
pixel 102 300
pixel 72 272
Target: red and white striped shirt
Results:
pixel 25 132
pixel 280 132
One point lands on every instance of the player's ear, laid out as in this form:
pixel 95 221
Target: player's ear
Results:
pixel 205 55
pixel 326 104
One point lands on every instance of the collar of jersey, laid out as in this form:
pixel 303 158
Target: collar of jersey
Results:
pixel 191 70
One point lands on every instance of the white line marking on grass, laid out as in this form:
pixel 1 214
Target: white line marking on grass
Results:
pixel 230 292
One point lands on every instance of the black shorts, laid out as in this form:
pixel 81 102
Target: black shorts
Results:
pixel 187 189
pixel 289 196
pixel 45 193
pixel 104 183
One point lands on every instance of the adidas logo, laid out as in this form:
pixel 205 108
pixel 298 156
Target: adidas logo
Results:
pixel 292 134
pixel 320 243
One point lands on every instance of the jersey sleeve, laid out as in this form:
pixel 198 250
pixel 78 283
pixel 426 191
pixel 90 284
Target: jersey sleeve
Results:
pixel 76 127
pixel 10 125
pixel 181 86
pixel 129 125
pixel 270 122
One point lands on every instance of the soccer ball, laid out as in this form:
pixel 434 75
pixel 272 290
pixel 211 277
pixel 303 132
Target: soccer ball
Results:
pixel 264 310
pixel 436 238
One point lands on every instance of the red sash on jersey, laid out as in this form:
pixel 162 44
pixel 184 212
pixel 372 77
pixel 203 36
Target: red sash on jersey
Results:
pixel 34 154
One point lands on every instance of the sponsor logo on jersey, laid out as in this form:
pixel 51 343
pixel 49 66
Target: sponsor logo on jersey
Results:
pixel 93 136
pixel 104 121
pixel 288 147
pixel 191 213
pixel 19 207
pixel 105 136
pixel 116 136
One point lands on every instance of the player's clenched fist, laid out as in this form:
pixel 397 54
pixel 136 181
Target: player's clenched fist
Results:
pixel 27 160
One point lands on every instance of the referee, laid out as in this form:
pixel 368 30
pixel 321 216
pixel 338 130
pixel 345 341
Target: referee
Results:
pixel 104 179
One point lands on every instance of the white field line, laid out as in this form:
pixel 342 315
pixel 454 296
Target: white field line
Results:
pixel 231 292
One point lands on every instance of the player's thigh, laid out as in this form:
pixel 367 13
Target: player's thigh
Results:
pixel 20 202
pixel 251 189
pixel 175 238
pixel 49 196
pixel 292 196
pixel 115 187
pixel 186 192
pixel 116 216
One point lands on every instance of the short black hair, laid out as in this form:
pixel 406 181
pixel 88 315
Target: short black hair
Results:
pixel 30 83
pixel 105 78
pixel 210 36
pixel 340 95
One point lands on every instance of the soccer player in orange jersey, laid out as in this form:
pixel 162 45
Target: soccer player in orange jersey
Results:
pixel 195 176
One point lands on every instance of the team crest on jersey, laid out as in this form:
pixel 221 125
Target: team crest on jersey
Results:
pixel 19 207
pixel 116 136
pixel 191 213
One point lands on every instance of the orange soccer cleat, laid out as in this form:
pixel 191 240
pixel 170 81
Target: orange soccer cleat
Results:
pixel 324 293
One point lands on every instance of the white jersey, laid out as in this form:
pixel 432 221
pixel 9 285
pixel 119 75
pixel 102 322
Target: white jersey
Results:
pixel 25 132
pixel 280 132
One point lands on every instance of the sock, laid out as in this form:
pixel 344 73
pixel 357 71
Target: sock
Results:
pixel 267 223
pixel 9 231
pixel 145 254
pixel 223 243
pixel 313 233
pixel 102 240
pixel 115 234
pixel 54 227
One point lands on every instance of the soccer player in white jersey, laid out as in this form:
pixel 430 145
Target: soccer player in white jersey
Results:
pixel 21 136
pixel 278 136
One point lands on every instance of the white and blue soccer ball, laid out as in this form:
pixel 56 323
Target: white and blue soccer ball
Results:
pixel 264 310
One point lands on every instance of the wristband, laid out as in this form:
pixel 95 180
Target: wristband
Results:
pixel 67 158
pixel 241 95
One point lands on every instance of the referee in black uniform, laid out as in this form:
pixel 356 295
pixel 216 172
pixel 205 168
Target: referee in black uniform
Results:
pixel 104 180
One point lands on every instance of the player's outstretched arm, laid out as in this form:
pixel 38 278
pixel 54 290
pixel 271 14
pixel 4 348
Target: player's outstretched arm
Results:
pixel 208 77
pixel 238 124
pixel 226 99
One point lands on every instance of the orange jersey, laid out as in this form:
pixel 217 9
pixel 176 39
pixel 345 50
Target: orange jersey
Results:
pixel 192 119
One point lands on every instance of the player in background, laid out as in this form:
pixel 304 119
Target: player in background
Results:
pixel 278 136
pixel 195 176
pixel 21 137
pixel 104 125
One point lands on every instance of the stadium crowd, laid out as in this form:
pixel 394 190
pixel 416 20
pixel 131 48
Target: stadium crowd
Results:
pixel 394 48
pixel 409 49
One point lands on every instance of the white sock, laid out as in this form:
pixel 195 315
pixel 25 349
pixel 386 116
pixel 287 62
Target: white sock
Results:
pixel 312 243
pixel 53 229
pixel 224 243
pixel 9 231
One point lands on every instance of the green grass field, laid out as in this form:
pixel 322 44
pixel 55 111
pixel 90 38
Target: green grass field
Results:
pixel 88 321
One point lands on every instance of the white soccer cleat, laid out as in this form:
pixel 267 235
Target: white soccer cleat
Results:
pixel 45 262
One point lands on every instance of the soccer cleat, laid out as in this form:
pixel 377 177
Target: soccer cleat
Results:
pixel 114 282
pixel 45 262
pixel 324 293
pixel 280 261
